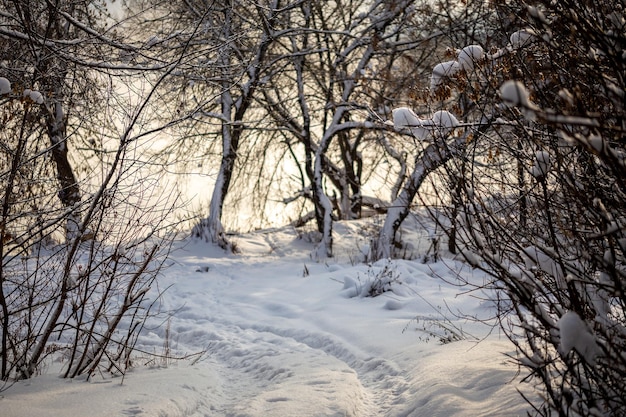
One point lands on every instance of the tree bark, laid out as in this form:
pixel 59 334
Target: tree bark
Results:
pixel 69 190
pixel 233 111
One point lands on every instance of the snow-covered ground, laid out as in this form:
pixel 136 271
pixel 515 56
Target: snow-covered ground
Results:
pixel 268 332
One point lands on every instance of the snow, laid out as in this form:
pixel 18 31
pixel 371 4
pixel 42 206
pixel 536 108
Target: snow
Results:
pixel 542 164
pixel 535 257
pixel 596 142
pixel 469 55
pixel 443 118
pixel 269 332
pixel 5 86
pixel 514 93
pixel 35 96
pixel 441 121
pixel 537 14
pixel 152 40
pixel 576 334
pixel 522 38
pixel 442 70
pixel 404 117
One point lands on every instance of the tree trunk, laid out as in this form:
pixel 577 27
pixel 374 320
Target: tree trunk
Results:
pixel 323 205
pixel 351 197
pixel 434 156
pixel 211 228
pixel 69 191
pixel 233 111
pixel 52 73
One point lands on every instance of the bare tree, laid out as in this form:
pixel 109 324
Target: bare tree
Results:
pixel 81 293
pixel 336 58
pixel 451 108
pixel 239 89
pixel 42 46
pixel 228 61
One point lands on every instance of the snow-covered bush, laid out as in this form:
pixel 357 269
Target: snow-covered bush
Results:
pixel 85 299
pixel 544 212
pixel 533 190
pixel 380 278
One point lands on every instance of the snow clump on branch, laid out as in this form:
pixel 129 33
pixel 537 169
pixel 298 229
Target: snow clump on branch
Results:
pixel 444 122
pixel 441 121
pixel 522 38
pixel 35 96
pixel 5 86
pixel 513 93
pixel 542 164
pixel 469 55
pixel 442 70
pixel 405 118
pixel 576 334
pixel 444 118
pixel 466 59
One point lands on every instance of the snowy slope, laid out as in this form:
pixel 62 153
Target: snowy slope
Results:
pixel 268 332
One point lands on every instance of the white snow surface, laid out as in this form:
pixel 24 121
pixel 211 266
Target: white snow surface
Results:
pixel 268 332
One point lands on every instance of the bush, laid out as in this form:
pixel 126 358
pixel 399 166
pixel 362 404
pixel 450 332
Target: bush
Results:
pixel 546 214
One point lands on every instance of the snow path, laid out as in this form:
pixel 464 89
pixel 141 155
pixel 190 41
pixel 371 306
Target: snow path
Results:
pixel 300 348
pixel 266 340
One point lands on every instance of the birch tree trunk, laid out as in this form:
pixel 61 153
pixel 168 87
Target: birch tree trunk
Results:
pixel 235 101
pixel 211 228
